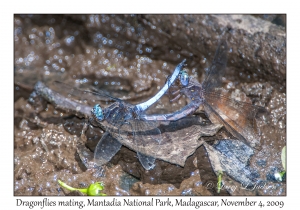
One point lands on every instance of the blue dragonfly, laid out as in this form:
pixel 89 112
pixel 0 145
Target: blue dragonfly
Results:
pixel 237 117
pixel 121 120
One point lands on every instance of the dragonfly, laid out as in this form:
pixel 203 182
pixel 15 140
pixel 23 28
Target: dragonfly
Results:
pixel 121 120
pixel 236 116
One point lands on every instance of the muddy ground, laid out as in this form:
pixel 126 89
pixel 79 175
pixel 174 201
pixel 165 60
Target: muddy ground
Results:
pixel 130 56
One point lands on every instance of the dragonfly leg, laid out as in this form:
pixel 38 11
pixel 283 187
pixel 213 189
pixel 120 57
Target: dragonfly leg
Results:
pixel 83 131
pixel 175 92
pixel 171 94
pixel 176 98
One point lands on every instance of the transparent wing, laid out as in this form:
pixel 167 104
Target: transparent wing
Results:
pixel 61 101
pixel 142 136
pixel 148 140
pixel 148 162
pixel 79 94
pixel 214 75
pixel 106 148
pixel 237 117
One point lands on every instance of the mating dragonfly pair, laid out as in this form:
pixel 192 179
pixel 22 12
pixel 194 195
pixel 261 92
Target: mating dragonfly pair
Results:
pixel 129 125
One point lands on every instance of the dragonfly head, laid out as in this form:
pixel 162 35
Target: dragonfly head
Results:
pixel 97 113
pixel 184 78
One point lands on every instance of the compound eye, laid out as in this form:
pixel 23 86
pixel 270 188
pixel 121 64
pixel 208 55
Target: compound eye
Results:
pixel 97 112
pixel 184 78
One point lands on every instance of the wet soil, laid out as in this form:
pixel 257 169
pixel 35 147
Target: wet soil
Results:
pixel 130 56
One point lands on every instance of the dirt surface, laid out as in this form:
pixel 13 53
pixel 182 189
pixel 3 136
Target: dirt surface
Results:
pixel 130 56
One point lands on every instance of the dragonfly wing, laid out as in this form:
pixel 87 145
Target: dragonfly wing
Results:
pixel 87 158
pixel 146 161
pixel 106 148
pixel 144 137
pixel 213 78
pixel 148 140
pixel 80 94
pixel 60 101
pixel 237 117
